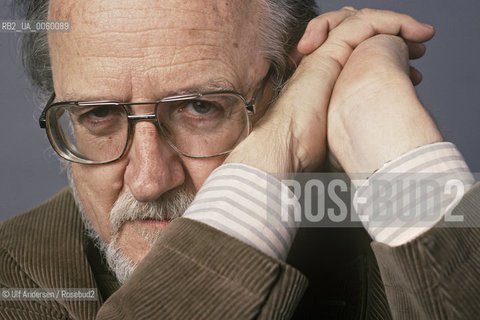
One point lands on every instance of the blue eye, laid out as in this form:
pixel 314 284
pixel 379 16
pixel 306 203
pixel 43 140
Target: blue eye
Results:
pixel 200 107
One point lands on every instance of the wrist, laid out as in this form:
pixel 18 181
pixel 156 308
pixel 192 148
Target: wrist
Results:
pixel 365 132
pixel 266 149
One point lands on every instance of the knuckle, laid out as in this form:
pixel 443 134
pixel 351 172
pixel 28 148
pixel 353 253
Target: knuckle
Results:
pixel 333 34
pixel 388 39
pixel 366 12
pixel 349 8
pixel 385 45
pixel 395 40
pixel 404 16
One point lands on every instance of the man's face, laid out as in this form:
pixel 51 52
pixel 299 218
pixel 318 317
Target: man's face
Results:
pixel 143 51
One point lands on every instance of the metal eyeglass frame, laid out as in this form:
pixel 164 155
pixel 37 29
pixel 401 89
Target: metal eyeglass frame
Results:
pixel 249 106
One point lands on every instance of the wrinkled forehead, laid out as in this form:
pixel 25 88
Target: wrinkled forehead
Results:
pixel 149 36
pixel 133 16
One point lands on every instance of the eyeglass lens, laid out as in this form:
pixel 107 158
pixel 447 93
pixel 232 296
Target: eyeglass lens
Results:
pixel 211 125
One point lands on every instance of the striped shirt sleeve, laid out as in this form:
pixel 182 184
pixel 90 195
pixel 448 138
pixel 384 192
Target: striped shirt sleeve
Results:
pixel 248 204
pixel 410 194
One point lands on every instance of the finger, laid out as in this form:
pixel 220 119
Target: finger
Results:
pixel 415 50
pixel 416 76
pixel 317 30
pixel 390 22
pixel 367 23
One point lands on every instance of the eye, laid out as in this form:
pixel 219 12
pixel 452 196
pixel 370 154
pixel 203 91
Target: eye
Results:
pixel 103 112
pixel 199 107
pixel 99 114
pixel 100 118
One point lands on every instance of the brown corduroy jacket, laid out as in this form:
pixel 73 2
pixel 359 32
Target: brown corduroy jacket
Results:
pixel 197 272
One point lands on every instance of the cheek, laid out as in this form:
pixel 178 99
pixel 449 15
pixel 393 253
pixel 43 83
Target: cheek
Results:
pixel 98 188
pixel 200 169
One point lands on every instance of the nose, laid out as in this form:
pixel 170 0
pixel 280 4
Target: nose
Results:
pixel 153 166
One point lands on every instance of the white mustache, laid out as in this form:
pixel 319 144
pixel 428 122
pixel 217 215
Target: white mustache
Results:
pixel 171 205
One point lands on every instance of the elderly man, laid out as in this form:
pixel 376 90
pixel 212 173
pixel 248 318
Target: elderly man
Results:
pixel 156 103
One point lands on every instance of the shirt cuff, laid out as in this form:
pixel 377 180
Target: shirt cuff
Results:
pixel 250 205
pixel 409 195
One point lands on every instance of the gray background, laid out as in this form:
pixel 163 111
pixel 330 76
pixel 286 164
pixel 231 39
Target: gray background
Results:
pixel 30 171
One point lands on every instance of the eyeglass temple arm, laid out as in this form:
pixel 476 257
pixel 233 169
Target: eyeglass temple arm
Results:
pixel 251 103
pixel 42 121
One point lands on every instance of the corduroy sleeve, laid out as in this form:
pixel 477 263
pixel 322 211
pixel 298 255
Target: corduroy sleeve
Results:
pixel 197 272
pixel 437 275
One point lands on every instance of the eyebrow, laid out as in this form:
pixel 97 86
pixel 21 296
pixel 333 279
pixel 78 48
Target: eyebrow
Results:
pixel 213 85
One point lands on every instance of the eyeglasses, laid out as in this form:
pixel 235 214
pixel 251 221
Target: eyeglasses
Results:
pixel 201 125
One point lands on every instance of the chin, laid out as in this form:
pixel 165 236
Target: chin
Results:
pixel 128 248
pixel 136 238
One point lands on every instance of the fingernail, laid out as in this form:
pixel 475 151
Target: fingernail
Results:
pixel 427 26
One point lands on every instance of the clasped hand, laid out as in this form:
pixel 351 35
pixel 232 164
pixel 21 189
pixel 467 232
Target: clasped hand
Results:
pixel 352 97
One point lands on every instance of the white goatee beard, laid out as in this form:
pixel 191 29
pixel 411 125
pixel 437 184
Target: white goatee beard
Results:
pixel 171 205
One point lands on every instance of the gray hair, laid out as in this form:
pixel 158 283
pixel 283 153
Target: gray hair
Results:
pixel 283 26
pixel 35 55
